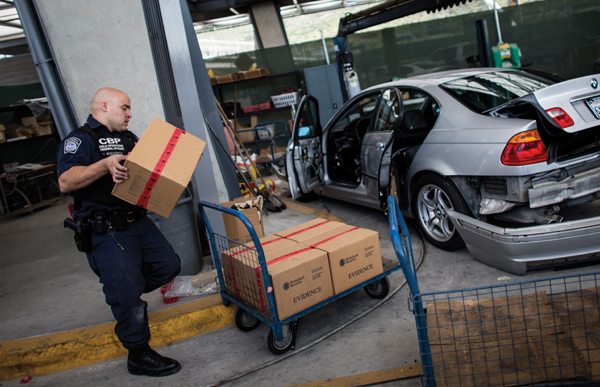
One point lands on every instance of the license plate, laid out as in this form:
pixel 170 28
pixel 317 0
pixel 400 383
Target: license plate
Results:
pixel 594 105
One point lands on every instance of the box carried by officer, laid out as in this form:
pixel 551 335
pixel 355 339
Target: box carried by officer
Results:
pixel 160 167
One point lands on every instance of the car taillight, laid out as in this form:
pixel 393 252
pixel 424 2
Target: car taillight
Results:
pixel 560 117
pixel 524 148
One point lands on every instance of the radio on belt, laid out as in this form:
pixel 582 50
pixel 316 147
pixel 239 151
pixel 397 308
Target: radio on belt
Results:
pixel 160 167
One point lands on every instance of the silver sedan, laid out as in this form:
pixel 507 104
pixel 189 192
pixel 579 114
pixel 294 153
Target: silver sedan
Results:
pixel 503 150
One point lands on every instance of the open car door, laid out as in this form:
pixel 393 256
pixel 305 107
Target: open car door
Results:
pixel 304 157
pixel 376 148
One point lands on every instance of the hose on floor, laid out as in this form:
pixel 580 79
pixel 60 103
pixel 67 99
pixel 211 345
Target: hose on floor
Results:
pixel 279 359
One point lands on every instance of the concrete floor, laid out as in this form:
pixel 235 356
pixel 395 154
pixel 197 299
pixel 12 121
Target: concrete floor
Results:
pixel 46 286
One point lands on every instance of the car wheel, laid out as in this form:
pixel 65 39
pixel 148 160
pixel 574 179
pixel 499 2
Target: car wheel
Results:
pixel 433 197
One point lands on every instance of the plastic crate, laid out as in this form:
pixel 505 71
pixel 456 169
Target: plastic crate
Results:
pixel 287 99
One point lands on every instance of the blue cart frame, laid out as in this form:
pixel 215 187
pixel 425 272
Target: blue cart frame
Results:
pixel 543 330
pixel 282 335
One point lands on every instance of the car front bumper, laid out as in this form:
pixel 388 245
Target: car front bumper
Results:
pixel 516 249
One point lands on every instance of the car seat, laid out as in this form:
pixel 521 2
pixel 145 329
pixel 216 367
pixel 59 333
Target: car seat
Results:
pixel 413 121
pixel 413 129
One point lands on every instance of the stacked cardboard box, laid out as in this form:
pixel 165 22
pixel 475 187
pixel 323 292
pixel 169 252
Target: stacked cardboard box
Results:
pixel 307 264
pixel 354 255
pixel 238 263
pixel 239 76
pixel 235 229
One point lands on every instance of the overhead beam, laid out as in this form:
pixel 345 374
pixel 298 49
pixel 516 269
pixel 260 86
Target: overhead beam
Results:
pixel 204 10
pixel 390 10
pixel 10 24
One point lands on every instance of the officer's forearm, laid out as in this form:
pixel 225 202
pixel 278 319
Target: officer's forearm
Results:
pixel 78 176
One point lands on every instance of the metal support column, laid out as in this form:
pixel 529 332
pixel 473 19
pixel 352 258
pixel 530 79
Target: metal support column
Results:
pixel 62 109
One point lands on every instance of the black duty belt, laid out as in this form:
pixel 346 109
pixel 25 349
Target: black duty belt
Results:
pixel 118 220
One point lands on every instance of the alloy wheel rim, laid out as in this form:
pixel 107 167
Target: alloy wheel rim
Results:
pixel 433 205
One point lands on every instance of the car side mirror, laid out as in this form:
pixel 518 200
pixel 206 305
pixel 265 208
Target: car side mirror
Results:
pixel 304 131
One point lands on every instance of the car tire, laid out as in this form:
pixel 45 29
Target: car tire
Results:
pixel 432 197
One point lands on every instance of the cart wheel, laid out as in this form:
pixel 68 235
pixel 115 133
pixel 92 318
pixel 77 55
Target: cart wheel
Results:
pixel 279 347
pixel 378 289
pixel 245 321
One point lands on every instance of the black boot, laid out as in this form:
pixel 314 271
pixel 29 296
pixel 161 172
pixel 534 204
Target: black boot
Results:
pixel 145 361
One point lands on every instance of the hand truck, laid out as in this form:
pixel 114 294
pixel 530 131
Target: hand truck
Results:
pixel 282 333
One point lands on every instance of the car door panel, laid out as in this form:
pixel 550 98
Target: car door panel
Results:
pixel 376 144
pixel 304 158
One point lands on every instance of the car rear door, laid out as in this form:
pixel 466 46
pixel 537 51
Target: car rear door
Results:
pixel 304 158
pixel 376 145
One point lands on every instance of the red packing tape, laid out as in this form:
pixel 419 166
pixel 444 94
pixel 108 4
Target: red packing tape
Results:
pixel 281 238
pixel 307 228
pixel 253 248
pixel 333 237
pixel 261 295
pixel 159 167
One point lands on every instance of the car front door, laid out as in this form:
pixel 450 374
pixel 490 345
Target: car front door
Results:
pixel 376 148
pixel 304 158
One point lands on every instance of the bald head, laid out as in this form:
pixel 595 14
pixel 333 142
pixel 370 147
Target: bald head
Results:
pixel 112 108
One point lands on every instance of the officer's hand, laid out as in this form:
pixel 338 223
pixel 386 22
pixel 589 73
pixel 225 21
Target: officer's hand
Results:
pixel 116 169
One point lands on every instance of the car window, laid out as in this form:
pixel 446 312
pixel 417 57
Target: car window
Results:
pixel 483 92
pixel 420 112
pixel 388 111
pixel 356 119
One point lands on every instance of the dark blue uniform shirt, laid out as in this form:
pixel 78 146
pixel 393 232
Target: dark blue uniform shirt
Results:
pixel 85 146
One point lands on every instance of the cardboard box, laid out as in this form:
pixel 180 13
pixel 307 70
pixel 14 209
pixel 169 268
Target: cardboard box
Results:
pixel 245 133
pixel 235 229
pixel 354 255
pixel 225 78
pixel 300 278
pixel 235 259
pixel 309 230
pixel 43 130
pixel 29 122
pixel 251 74
pixel 160 167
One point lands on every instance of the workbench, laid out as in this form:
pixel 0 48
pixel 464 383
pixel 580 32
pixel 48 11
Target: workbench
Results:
pixel 33 185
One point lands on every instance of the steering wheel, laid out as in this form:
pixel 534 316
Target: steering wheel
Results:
pixel 360 129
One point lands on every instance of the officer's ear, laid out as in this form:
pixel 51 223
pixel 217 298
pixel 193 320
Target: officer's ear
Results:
pixel 104 106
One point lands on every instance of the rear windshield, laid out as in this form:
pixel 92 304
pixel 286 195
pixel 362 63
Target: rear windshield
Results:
pixel 486 91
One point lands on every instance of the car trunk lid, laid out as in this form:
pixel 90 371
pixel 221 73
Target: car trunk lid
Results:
pixel 579 99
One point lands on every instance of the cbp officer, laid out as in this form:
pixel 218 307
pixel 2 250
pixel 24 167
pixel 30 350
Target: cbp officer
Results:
pixel 127 251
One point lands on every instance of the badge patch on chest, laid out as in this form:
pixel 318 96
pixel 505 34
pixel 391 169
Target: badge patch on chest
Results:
pixel 71 145
pixel 110 146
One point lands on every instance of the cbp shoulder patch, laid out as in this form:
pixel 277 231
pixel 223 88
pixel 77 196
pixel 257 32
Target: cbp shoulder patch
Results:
pixel 72 144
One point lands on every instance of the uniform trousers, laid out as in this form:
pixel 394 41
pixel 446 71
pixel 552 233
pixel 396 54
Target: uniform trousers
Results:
pixel 131 262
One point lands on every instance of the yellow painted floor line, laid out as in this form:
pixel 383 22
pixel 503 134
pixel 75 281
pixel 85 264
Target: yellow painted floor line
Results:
pixel 55 352
pixel 45 354
pixel 369 378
